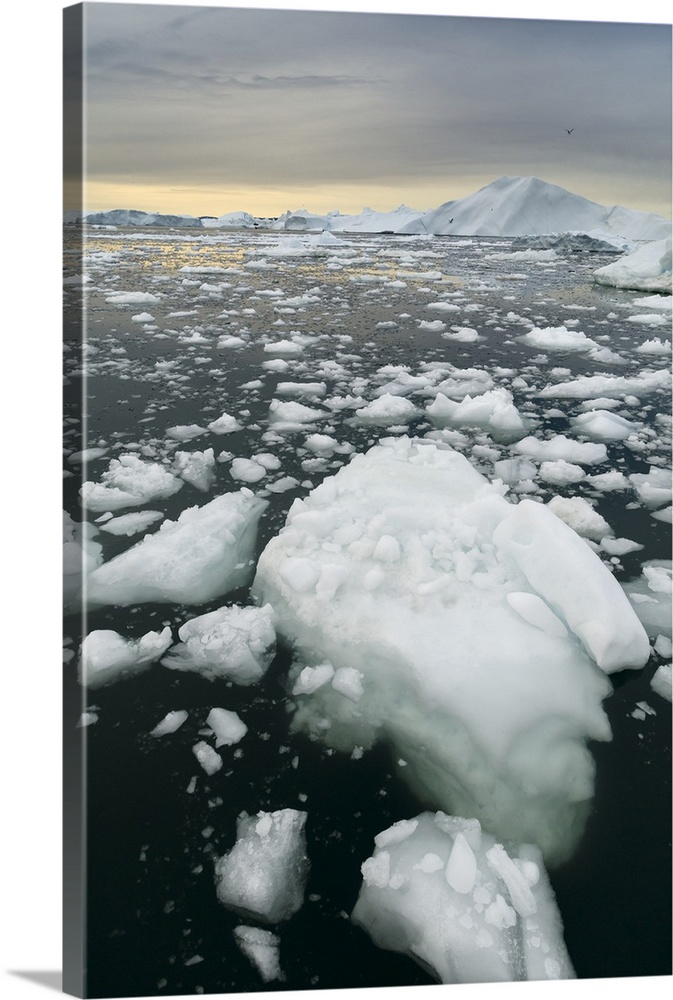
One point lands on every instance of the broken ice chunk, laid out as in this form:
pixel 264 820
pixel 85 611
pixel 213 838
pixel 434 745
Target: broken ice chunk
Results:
pixel 661 681
pixel 262 949
pixel 170 723
pixel 227 726
pixel 105 656
pixel 199 557
pixel 209 759
pixel 232 642
pixel 264 875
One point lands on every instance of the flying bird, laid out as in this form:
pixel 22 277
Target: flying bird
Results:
pixel 569 130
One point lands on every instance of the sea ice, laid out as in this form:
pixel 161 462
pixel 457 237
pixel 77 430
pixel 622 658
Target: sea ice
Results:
pixel 196 467
pixel 386 410
pixel 170 723
pixel 232 643
pixel 204 554
pixel 227 726
pixel 264 875
pixel 81 555
pixel 105 656
pixel 647 269
pixel 661 681
pixel 494 410
pixel 262 948
pixel 129 482
pixel 131 524
pixel 561 447
pixel 489 710
pixel 461 905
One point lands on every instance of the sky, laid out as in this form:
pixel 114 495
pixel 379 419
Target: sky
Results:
pixel 204 110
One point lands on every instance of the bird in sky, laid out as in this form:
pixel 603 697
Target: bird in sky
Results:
pixel 569 130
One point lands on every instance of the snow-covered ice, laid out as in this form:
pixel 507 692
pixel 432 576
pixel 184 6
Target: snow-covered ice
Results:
pixel 129 482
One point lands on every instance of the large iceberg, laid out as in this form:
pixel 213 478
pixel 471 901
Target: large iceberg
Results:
pixel 468 910
pixel 523 206
pixel 206 553
pixel 482 631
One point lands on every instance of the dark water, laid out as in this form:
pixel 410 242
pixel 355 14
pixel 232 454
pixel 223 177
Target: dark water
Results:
pixel 153 924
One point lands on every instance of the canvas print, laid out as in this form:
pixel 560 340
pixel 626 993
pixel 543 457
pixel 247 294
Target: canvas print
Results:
pixel 367 500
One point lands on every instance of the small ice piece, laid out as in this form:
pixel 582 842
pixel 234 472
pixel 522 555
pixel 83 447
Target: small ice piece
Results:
pixel 561 447
pixel 312 678
pixel 264 875
pixel 170 723
pixel 288 415
pixel 661 681
pixel 131 524
pixel 663 646
pixel 185 432
pixel 619 546
pixel 396 833
pixel 227 726
pixel 602 425
pixel 196 467
pixel 348 682
pixel 209 759
pixel 561 473
pixel 262 948
pixel 247 471
pixel 87 719
pixel 386 410
pixel 579 515
pixel 201 556
pixel 105 656
pixel 129 482
pixel 233 643
pixel 225 424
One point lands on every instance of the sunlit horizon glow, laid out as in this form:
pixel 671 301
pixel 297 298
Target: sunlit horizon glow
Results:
pixel 102 196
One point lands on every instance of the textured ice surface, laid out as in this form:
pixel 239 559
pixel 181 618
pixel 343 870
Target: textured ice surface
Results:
pixel 234 643
pixel 648 268
pixel 400 567
pixel 105 656
pixel 264 875
pixel 129 482
pixel 201 556
pixel 461 905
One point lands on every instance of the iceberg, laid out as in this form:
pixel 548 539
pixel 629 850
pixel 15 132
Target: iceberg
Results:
pixel 461 905
pixel 400 567
pixel 206 553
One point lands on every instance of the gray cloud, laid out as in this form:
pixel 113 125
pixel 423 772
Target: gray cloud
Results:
pixel 217 95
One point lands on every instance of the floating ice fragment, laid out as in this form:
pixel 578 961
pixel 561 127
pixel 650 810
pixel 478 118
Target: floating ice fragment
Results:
pixel 105 656
pixel 264 877
pixel 227 726
pixel 209 759
pixel 199 557
pixel 170 723
pixel 262 948
pixel 233 643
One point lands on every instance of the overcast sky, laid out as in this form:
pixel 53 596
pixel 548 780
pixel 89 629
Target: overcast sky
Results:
pixel 205 110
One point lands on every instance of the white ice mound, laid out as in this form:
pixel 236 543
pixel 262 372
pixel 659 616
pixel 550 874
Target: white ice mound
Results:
pixel 459 904
pixel 400 567
pixel 647 269
pixel 264 875
pixel 493 410
pixel 105 656
pixel 129 482
pixel 232 643
pixel 206 553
